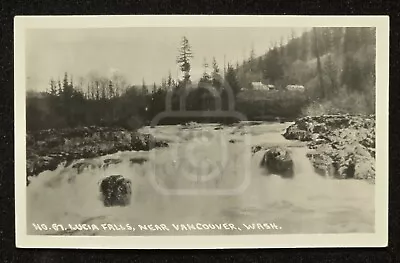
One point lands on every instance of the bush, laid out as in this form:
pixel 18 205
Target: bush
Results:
pixel 256 104
pixel 345 102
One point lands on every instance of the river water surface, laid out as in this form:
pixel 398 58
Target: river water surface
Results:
pixel 207 176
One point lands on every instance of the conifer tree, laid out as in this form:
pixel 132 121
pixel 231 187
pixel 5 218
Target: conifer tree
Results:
pixel 216 77
pixel 183 59
pixel 144 87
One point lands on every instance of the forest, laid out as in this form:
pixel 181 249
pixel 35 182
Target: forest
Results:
pixel 335 65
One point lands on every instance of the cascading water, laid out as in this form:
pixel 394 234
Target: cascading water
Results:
pixel 308 203
pixel 302 166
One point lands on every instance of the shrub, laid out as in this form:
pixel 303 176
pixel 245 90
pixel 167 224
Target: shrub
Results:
pixel 345 102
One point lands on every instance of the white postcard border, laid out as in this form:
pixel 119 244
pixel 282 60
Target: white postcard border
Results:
pixel 377 239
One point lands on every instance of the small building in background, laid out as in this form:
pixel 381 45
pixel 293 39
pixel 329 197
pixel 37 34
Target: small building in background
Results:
pixel 295 87
pixel 261 86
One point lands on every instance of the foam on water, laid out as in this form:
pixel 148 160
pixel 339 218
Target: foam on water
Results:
pixel 308 203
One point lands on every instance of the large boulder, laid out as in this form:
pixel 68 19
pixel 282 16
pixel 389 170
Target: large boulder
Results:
pixel 278 160
pixel 116 191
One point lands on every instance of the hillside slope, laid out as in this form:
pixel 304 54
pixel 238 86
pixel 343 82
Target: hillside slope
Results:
pixel 335 65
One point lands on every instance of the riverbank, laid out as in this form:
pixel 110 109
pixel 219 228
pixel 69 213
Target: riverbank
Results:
pixel 342 146
pixel 47 149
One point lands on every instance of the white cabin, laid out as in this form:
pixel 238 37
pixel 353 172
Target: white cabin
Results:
pixel 295 87
pixel 260 86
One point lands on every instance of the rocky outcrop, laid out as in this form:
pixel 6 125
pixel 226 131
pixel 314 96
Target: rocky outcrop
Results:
pixel 47 149
pixel 82 166
pixel 116 191
pixel 256 148
pixel 278 160
pixel 343 146
pixel 111 161
pixel 190 125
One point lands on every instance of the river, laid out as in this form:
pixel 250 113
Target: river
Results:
pixel 207 175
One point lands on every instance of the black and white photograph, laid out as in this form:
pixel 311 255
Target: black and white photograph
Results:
pixel 270 131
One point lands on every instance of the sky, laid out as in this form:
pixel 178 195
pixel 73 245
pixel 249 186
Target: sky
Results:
pixel 138 53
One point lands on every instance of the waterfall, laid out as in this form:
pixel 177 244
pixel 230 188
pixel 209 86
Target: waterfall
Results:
pixel 306 203
pixel 303 168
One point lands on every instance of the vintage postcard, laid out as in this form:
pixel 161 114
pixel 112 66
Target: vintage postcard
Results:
pixel 158 132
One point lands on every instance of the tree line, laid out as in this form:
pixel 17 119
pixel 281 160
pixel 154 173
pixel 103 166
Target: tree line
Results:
pixel 112 102
pixel 335 65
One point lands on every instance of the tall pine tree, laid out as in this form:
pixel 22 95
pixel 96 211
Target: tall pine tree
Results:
pixel 183 59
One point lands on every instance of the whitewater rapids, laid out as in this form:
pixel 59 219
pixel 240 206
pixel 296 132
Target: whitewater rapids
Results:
pixel 189 183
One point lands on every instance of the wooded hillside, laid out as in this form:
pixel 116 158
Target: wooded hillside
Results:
pixel 335 65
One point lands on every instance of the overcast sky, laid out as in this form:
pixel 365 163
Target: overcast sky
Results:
pixel 137 53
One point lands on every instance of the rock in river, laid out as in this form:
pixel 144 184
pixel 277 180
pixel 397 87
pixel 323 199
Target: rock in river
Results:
pixel 138 160
pixel 81 166
pixel 278 161
pixel 111 161
pixel 116 191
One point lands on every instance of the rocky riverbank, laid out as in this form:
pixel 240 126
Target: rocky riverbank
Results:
pixel 47 149
pixel 342 146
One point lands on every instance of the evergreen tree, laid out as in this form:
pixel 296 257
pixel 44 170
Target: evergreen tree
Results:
pixel 103 85
pixel 183 59
pixel 111 89
pixel 282 49
pixel 273 68
pixel 154 88
pixel 231 80
pixel 67 89
pixel 72 82
pixel 319 67
pixel 337 36
pixel 259 64
pixel 144 87
pixel 352 39
pixel 292 48
pixel 170 81
pixel 304 46
pixel 60 87
pixel 352 75
pixel 88 93
pixel 206 76
pixel 65 82
pixel 331 71
pixel 53 88
pixel 252 55
pixel 216 77
pixel 163 84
